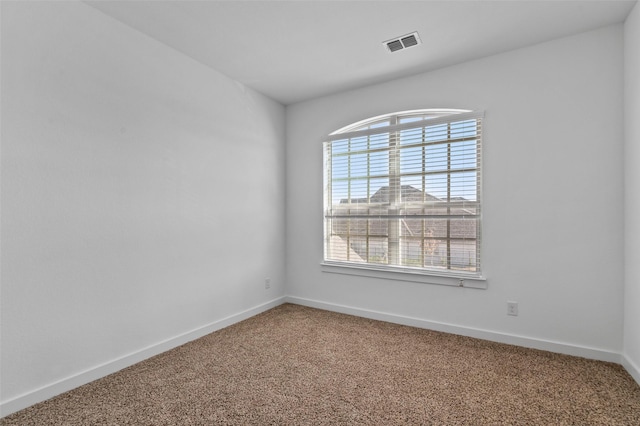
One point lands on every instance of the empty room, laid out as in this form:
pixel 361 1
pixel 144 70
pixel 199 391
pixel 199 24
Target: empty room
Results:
pixel 320 212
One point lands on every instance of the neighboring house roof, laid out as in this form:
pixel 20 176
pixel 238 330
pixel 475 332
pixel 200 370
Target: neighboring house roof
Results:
pixel 433 227
pixel 407 193
pixel 364 235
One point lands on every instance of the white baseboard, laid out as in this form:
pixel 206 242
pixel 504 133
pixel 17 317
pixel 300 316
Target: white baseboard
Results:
pixel 23 401
pixel 511 339
pixel 631 367
pixel 49 391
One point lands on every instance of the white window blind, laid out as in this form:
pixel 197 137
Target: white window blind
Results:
pixel 402 192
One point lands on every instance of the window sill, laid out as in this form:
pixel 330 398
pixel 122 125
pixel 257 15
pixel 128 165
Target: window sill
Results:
pixel 425 277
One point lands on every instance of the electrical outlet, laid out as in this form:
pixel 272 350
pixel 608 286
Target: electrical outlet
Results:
pixel 512 308
pixel 267 283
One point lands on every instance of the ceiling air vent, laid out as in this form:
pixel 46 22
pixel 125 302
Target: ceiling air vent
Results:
pixel 403 42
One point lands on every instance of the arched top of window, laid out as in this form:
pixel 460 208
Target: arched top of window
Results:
pixel 399 118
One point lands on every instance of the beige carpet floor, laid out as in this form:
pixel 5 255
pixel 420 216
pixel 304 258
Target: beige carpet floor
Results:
pixel 295 365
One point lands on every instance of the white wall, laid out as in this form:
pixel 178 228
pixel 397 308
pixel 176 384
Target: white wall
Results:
pixel 119 171
pixel 142 198
pixel 553 197
pixel 632 193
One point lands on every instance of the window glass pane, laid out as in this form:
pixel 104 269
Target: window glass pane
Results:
pixel 378 250
pixel 339 166
pixel 359 189
pixel 376 186
pixel 434 255
pixel 464 209
pixel 411 227
pixel 340 146
pixel 411 136
pixel 358 144
pixel 340 226
pixel 379 163
pixel 383 123
pixel 409 193
pixel 411 160
pixel 463 255
pixel 339 192
pixel 463 129
pixel 357 227
pixel 464 185
pixel 411 119
pixel 339 249
pixel 411 252
pixel 359 165
pixel 358 245
pixel 436 185
pixel 436 228
pixel 435 158
pixel 378 227
pixel 412 188
pixel 379 141
pixel 463 155
pixel 463 228
pixel 439 132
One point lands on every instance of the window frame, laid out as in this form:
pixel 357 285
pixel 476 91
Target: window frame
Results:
pixel 393 125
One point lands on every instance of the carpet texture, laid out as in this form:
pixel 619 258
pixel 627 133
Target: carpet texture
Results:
pixel 295 365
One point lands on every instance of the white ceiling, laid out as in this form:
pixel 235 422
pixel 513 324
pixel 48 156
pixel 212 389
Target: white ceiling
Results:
pixel 297 50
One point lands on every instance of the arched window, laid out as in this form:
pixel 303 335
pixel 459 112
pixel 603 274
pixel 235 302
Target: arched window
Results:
pixel 402 192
